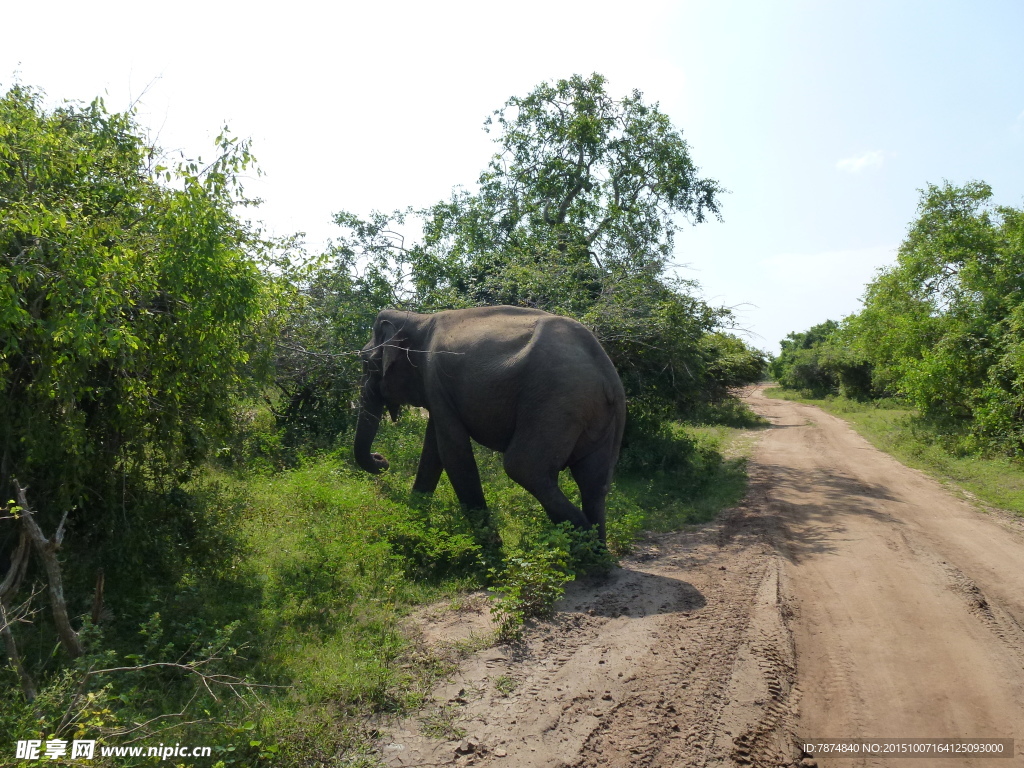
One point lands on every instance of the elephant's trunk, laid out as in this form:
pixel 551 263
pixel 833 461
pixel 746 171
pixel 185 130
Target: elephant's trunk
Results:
pixel 371 408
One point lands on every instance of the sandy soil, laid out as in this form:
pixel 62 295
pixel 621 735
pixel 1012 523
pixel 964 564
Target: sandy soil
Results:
pixel 847 597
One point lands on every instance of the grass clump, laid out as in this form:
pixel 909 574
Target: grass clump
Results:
pixel 505 685
pixel 442 723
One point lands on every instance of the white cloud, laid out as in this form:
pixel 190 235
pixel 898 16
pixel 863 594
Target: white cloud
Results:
pixel 858 163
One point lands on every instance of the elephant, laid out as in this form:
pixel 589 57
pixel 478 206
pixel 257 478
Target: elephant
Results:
pixel 537 387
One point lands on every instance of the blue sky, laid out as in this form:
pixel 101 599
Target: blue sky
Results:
pixel 823 119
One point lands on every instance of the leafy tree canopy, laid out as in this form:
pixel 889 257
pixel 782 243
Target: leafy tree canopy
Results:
pixel 943 326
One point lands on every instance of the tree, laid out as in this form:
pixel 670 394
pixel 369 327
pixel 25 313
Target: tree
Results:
pixel 575 214
pixel 800 363
pixel 942 326
pixel 583 186
pixel 130 294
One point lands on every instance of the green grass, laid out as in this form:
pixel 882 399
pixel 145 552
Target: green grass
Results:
pixel 666 498
pixel 505 685
pixel 896 429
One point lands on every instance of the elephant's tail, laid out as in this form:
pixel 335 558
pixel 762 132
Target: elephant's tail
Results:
pixel 616 396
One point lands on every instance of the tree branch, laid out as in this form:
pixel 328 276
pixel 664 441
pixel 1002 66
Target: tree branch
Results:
pixel 47 550
pixel 19 561
pixel 27 684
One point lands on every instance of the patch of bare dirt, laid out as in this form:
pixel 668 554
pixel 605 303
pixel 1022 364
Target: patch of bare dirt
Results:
pixel 847 596
pixel 461 620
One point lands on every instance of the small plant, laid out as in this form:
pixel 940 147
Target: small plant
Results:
pixel 587 553
pixel 624 525
pixel 530 584
pixel 505 685
pixel 442 724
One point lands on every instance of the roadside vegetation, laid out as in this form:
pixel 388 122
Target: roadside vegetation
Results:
pixel 177 409
pixel 932 368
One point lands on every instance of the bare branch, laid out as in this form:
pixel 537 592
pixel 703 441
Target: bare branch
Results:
pixel 58 537
pixel 19 561
pixel 385 345
pixel 47 550
pixel 27 684
pixel 231 682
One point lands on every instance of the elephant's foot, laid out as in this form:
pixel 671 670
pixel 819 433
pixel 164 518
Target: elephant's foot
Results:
pixel 485 531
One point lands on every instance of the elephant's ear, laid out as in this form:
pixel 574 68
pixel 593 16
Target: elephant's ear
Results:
pixel 395 350
pixel 396 370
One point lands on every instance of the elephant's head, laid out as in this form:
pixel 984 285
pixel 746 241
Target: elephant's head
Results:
pixel 386 382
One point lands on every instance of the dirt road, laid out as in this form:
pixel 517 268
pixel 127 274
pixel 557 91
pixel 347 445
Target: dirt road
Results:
pixel 847 597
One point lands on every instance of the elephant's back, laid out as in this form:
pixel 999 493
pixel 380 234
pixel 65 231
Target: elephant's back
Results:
pixel 492 344
pixel 501 365
pixel 572 346
pixel 568 366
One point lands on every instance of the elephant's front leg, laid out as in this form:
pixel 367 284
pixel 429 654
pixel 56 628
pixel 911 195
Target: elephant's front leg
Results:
pixel 431 466
pixel 456 455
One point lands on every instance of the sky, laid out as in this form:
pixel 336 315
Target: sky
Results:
pixel 822 119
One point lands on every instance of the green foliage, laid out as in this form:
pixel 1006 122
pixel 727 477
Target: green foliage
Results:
pixel 334 301
pixel 731 363
pixel 674 476
pixel 821 361
pixel 114 698
pixel 134 316
pixel 531 582
pixel 129 293
pixel 329 582
pixel 942 327
pixel 944 322
pixel 583 188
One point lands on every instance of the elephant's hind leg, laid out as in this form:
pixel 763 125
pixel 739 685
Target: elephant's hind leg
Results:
pixel 593 475
pixel 533 469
